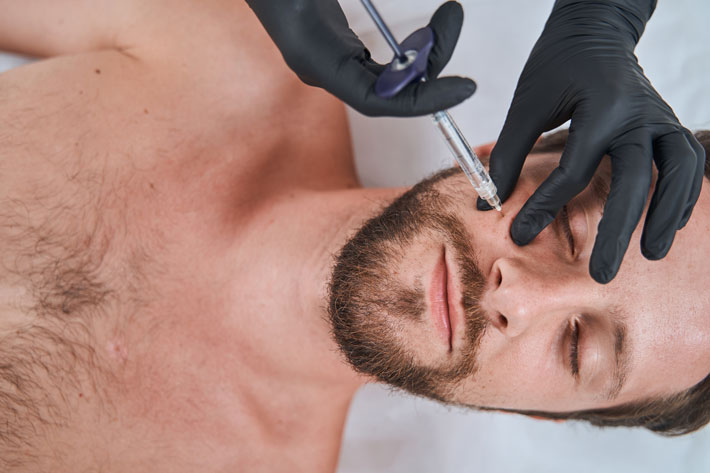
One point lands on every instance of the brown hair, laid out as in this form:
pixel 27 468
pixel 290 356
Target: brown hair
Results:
pixel 678 414
pixel 555 142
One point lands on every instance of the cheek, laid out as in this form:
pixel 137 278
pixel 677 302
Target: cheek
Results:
pixel 526 186
pixel 533 174
pixel 513 375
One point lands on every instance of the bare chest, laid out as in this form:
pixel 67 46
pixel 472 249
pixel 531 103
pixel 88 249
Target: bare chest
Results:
pixel 97 198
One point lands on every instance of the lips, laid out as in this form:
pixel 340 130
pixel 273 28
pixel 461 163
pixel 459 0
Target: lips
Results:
pixel 439 299
pixel 454 301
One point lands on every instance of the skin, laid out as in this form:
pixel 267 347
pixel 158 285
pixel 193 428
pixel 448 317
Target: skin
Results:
pixel 532 293
pixel 217 195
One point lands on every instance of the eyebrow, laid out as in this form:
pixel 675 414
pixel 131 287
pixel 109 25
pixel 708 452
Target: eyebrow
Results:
pixel 600 186
pixel 622 356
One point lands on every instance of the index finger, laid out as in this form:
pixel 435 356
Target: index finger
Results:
pixel 577 165
pixel 419 98
pixel 519 134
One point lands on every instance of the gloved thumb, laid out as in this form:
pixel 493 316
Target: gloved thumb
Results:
pixel 446 24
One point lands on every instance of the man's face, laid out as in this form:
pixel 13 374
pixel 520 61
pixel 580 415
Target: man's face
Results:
pixel 434 297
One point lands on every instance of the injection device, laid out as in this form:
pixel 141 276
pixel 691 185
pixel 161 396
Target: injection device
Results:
pixel 408 65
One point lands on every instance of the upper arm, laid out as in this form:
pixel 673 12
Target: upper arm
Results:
pixel 56 27
pixel 45 28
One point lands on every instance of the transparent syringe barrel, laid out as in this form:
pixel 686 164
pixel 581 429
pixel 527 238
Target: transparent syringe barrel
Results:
pixel 465 156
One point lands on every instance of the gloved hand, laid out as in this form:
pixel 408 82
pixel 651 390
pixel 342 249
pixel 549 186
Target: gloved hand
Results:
pixel 583 67
pixel 316 42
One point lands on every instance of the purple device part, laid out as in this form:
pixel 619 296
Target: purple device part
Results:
pixel 397 75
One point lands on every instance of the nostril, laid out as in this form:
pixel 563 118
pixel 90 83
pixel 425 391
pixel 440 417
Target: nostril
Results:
pixel 502 321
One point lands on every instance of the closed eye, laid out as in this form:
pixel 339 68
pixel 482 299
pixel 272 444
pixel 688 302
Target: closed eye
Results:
pixel 574 349
pixel 564 220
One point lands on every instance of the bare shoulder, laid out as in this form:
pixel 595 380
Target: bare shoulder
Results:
pixel 195 114
pixel 180 78
pixel 193 111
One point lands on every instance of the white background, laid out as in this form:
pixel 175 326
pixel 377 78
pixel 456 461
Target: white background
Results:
pixel 391 432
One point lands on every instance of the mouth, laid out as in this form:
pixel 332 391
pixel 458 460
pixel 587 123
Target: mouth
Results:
pixel 439 299
pixel 455 299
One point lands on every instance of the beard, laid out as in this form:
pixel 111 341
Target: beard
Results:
pixel 367 303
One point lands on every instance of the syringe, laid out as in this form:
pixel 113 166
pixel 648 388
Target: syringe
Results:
pixel 462 151
pixel 467 159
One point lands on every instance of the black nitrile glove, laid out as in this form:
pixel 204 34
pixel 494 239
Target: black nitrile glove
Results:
pixel 583 67
pixel 316 42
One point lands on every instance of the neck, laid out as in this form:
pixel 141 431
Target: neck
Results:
pixel 247 357
pixel 306 235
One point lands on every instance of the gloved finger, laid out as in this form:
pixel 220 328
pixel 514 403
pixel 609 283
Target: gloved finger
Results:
pixel 353 84
pixel 515 141
pixel 365 58
pixel 374 67
pixel 631 175
pixel 577 165
pixel 446 24
pixel 699 175
pixel 423 98
pixel 419 98
pixel 677 163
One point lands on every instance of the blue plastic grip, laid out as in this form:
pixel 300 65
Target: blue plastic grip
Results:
pixel 395 77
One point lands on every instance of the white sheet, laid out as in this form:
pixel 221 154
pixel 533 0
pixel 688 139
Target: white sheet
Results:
pixel 397 433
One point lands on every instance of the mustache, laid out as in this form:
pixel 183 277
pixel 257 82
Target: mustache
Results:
pixel 364 299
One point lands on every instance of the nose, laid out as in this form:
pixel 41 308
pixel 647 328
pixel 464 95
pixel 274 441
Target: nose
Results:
pixel 525 294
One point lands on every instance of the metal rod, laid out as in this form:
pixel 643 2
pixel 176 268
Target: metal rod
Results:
pixel 375 15
pixel 462 151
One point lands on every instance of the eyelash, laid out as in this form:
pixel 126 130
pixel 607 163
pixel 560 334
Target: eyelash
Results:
pixel 574 349
pixel 564 215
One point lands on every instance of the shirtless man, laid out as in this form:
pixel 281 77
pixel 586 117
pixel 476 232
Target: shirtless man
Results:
pixel 172 199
